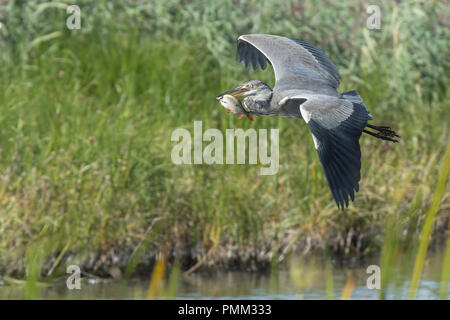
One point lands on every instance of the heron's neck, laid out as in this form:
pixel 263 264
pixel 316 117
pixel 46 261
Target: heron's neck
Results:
pixel 260 105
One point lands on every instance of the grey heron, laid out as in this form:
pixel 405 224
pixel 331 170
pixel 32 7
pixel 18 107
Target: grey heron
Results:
pixel 306 83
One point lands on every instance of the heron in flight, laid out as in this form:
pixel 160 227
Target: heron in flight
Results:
pixel 306 83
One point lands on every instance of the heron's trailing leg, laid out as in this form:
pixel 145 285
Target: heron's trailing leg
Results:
pixel 382 132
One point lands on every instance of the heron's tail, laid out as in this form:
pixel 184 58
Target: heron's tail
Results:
pixel 381 132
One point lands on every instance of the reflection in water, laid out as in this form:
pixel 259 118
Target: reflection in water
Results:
pixel 301 279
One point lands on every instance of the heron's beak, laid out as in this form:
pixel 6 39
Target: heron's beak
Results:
pixel 235 92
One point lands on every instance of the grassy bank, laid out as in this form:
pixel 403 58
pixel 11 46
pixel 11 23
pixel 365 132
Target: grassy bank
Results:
pixel 86 119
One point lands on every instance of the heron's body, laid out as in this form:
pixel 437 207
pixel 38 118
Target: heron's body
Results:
pixel 306 88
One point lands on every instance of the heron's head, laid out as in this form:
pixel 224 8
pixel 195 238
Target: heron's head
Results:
pixel 253 88
pixel 250 97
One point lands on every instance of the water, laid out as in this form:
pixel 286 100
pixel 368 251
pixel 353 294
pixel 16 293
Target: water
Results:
pixel 300 279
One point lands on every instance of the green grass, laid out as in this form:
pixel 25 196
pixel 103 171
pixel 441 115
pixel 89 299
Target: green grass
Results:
pixel 428 225
pixel 86 118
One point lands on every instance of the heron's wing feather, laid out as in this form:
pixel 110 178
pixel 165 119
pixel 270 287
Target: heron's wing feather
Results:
pixel 250 55
pixel 322 59
pixel 336 128
pixel 290 58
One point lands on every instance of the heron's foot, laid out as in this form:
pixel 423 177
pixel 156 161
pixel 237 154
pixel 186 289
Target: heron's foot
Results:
pixel 240 116
pixel 382 132
pixel 228 111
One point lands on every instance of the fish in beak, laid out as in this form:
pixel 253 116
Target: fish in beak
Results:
pixel 230 100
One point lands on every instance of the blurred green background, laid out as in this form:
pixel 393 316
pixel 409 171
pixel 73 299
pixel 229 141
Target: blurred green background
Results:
pixel 86 118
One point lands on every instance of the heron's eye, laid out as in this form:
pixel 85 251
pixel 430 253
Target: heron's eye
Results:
pixel 249 86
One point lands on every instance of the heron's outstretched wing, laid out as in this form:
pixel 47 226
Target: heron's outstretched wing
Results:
pixel 290 58
pixel 336 126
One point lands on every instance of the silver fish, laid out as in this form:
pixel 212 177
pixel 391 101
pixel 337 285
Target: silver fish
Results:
pixel 233 105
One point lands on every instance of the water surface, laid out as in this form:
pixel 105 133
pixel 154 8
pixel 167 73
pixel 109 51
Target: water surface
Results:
pixel 299 279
